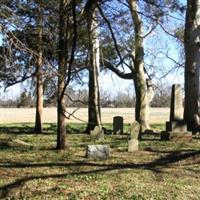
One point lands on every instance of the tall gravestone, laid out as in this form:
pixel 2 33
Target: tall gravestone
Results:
pixel 133 144
pixel 118 125
pixel 176 107
pixel 176 127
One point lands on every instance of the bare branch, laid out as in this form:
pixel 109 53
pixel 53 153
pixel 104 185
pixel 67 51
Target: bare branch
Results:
pixel 76 101
pixel 166 31
pixel 150 31
pixel 19 81
pixel 112 34
pixel 114 69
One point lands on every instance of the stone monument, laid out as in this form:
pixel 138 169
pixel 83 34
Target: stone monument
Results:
pixel 135 130
pixel 97 151
pixel 118 123
pixel 133 144
pixel 176 127
pixel 97 133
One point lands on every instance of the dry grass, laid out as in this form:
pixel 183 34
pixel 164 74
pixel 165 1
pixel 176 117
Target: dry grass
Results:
pixel 18 115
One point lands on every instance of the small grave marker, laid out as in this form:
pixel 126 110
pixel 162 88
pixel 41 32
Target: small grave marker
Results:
pixel 98 151
pixel 118 125
pixel 97 133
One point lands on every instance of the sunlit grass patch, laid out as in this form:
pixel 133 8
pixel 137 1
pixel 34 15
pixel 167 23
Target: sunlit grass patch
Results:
pixel 159 170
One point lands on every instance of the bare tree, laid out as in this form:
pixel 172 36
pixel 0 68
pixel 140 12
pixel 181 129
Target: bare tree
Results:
pixel 94 114
pixel 143 86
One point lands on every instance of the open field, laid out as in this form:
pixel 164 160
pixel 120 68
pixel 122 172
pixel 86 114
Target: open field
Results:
pixel 160 170
pixel 17 115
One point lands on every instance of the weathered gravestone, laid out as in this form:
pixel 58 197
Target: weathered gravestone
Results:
pixel 118 125
pixel 97 151
pixel 176 107
pixel 176 127
pixel 133 144
pixel 97 133
pixel 135 130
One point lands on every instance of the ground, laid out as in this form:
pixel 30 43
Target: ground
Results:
pixel 18 115
pixel 35 170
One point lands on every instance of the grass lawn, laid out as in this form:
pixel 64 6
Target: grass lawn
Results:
pixel 160 170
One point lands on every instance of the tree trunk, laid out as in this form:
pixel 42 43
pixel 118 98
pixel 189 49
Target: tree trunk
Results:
pixel 94 114
pixel 144 90
pixel 39 83
pixel 39 96
pixel 61 126
pixel 62 70
pixel 144 95
pixel 192 55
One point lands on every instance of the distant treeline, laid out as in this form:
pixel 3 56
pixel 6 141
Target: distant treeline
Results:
pixel 79 99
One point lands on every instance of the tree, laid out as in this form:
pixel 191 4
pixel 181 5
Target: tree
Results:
pixel 25 100
pixel 94 113
pixel 62 70
pixel 28 47
pixel 192 56
pixel 129 62
pixel 39 81
pixel 143 87
pixel 67 44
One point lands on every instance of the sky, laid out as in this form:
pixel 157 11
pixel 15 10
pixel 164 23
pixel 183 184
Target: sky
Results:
pixel 112 84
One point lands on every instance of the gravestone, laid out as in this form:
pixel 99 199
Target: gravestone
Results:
pixel 135 130
pixel 97 133
pixel 176 127
pixel 176 107
pixel 133 144
pixel 97 151
pixel 118 125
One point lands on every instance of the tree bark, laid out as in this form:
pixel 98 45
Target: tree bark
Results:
pixel 192 64
pixel 39 81
pixel 94 113
pixel 143 88
pixel 62 70
pixel 39 97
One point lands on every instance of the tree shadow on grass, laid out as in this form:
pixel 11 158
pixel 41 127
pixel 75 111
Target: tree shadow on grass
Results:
pixel 15 189
pixel 25 128
pixel 4 145
pixel 196 137
pixel 150 136
pixel 73 130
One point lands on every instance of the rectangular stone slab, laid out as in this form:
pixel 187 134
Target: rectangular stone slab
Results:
pixel 176 136
pixel 176 126
pixel 97 151
pixel 180 136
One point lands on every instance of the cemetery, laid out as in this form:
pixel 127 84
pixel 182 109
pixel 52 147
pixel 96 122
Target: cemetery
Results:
pixel 100 100
pixel 115 161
